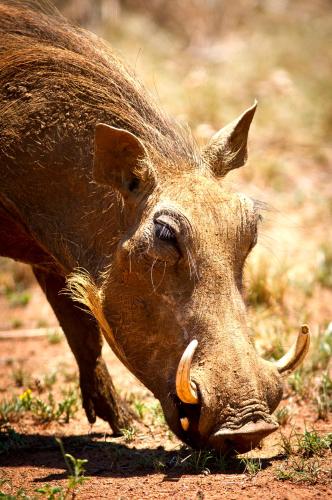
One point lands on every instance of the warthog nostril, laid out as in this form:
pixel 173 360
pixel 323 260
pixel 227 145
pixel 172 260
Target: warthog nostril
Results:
pixel 245 437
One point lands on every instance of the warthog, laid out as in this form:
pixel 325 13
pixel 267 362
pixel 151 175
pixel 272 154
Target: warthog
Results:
pixel 107 197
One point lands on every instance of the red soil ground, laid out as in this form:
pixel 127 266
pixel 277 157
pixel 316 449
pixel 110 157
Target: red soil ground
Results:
pixel 146 467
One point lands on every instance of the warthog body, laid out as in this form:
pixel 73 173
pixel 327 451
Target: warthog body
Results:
pixel 105 196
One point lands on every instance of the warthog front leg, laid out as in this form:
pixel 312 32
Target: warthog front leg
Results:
pixel 82 332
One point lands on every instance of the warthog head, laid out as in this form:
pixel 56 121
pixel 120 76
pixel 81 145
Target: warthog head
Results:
pixel 172 303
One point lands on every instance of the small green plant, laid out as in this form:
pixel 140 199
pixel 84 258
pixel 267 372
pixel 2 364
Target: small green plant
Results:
pixel 49 380
pixel 324 266
pixel 7 493
pixel 26 399
pixel 69 406
pixel 322 350
pixel 42 410
pixel 75 468
pixel 10 410
pixel 299 469
pixel 276 350
pixel 19 495
pixel 198 460
pixel 284 473
pixel 17 297
pixel 159 465
pixel 287 444
pixel 20 376
pixel 311 443
pixel 129 434
pixel 252 465
pixel 75 478
pixel 299 383
pixel 204 461
pixel 47 411
pixel 323 399
pixel 307 445
pixel 16 323
pixel 42 323
pixel 51 492
pixel 282 415
pixel 222 463
pixel 303 453
pixel 140 408
pixel 158 417
pixel 55 336
pixel 169 435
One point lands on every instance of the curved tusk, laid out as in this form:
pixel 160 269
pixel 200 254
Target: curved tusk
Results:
pixel 185 389
pixel 296 353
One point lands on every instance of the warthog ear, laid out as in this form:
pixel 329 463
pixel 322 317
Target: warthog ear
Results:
pixel 227 149
pixel 119 161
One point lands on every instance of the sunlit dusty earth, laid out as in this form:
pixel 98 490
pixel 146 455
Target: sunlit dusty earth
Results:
pixel 281 56
pixel 151 465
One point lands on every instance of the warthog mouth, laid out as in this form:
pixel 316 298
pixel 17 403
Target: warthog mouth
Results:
pixel 244 438
pixel 237 435
pixel 245 428
pixel 242 428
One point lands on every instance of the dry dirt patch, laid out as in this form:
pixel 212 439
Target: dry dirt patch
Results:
pixel 146 464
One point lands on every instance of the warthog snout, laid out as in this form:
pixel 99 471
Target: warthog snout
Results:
pixel 241 425
pixel 243 439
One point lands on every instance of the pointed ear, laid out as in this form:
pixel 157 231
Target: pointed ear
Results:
pixel 119 161
pixel 227 149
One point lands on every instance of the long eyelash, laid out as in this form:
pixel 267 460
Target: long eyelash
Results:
pixel 164 232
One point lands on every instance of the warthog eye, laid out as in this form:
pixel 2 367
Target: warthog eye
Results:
pixel 164 232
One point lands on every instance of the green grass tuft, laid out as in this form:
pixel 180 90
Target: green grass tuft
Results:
pixel 41 410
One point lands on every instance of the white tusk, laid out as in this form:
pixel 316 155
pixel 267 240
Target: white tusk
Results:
pixel 185 389
pixel 184 423
pixel 296 353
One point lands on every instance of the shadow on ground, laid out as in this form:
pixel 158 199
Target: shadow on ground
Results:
pixel 111 459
